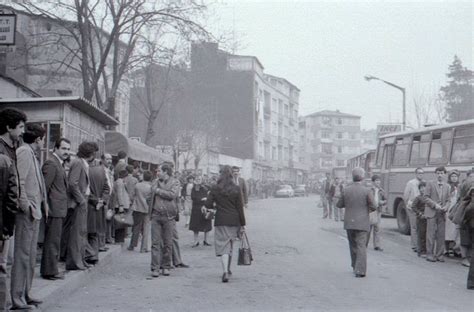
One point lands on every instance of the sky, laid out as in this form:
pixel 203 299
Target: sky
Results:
pixel 326 48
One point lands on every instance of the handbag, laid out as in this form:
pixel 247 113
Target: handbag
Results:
pixel 124 219
pixel 209 214
pixel 245 253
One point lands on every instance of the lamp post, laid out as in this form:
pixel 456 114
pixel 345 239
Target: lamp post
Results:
pixel 404 122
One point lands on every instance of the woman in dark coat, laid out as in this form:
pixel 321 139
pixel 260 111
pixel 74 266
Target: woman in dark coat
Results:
pixel 229 222
pixel 469 223
pixel 198 222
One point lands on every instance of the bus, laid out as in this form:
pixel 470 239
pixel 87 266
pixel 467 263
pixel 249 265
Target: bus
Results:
pixel 365 160
pixel 399 154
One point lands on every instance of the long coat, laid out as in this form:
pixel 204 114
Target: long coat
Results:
pixel 56 187
pixel 99 190
pixel 359 202
pixel 198 223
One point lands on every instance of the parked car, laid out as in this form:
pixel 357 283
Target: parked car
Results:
pixel 300 190
pixel 285 191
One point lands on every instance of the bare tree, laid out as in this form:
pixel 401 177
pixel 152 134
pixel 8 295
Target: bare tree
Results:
pixel 427 108
pixel 103 36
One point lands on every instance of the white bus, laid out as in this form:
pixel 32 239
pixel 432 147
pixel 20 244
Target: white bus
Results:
pixel 399 154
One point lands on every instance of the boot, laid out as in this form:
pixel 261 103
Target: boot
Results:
pixel 228 267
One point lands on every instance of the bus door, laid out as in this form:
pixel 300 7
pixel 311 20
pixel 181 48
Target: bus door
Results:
pixel 385 173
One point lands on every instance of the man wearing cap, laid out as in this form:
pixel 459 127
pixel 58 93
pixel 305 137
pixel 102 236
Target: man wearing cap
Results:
pixel 358 200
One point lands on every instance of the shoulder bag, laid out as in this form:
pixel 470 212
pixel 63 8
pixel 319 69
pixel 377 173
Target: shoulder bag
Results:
pixel 457 212
pixel 124 219
pixel 245 253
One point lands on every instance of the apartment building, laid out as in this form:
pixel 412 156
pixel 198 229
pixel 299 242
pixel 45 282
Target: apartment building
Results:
pixel 330 139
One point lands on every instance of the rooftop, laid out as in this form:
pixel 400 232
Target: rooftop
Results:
pixel 331 113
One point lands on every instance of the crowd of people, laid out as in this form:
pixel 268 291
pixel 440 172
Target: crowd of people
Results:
pixel 434 235
pixel 72 206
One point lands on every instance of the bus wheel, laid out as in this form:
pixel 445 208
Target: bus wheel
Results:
pixel 402 219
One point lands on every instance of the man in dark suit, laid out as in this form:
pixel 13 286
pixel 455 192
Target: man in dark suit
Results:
pixel 438 193
pixel 56 188
pixel 32 199
pixel 240 182
pixel 76 218
pixel 358 200
pixel 98 199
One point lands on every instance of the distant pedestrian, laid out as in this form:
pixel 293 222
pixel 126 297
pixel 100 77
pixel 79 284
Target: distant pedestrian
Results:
pixel 358 201
pixel 186 198
pixel 376 216
pixel 229 222
pixel 240 182
pixel 198 222
pixel 163 212
pixel 326 197
pixel 56 188
pixel 121 204
pixel 410 193
pixel 141 224
pixel 438 192
pixel 12 127
pixel 336 193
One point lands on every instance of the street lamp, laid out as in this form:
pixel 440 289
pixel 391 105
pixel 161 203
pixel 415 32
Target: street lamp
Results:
pixel 404 123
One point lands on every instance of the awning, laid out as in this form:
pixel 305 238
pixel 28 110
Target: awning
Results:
pixel 115 142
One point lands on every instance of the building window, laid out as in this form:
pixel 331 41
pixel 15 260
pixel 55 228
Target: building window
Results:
pixel 326 121
pixel 339 135
pixel 339 121
pixel 326 148
pixel 353 136
pixel 325 134
pixel 339 149
pixel 274 153
pixel 341 163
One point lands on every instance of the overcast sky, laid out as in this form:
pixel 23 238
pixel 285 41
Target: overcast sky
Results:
pixel 326 47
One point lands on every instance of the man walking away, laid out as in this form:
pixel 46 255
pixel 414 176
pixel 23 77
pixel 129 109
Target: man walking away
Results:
pixel 12 126
pixel 56 189
pixel 76 219
pixel 140 212
pixel 358 201
pixel 32 197
pixel 438 193
pixel 410 193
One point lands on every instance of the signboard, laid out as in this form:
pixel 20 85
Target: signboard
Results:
pixel 383 129
pixel 138 139
pixel 7 29
pixel 165 149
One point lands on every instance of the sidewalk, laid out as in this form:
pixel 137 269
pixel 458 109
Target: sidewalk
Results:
pixel 50 292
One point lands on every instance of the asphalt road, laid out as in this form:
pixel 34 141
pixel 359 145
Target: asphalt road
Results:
pixel 301 263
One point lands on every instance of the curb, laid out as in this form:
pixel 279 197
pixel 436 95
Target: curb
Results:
pixel 50 292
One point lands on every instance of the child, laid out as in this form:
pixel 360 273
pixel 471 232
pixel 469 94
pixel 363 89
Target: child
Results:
pixel 418 207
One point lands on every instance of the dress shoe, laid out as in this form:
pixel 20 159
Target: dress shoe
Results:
pixel 130 248
pixel 155 273
pixel 25 307
pixel 182 265
pixel 225 277
pixel 144 250
pixel 34 302
pixel 378 248
pixel 206 243
pixel 103 249
pixel 359 275
pixel 165 272
pixel 440 259
pixel 430 259
pixel 89 265
pixel 195 245
pixel 465 262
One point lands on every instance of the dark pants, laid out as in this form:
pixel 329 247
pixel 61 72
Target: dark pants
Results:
pixel 161 233
pixel 92 248
pixel 435 235
pixel 109 231
pixel 139 219
pixel 470 276
pixel 76 246
pixel 51 246
pixel 3 274
pixel 358 249
pixel 175 251
pixel 24 258
pixel 421 235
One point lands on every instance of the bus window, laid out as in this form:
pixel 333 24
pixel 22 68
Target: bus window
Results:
pixel 400 157
pixel 439 153
pixel 463 146
pixel 380 153
pixel 419 149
